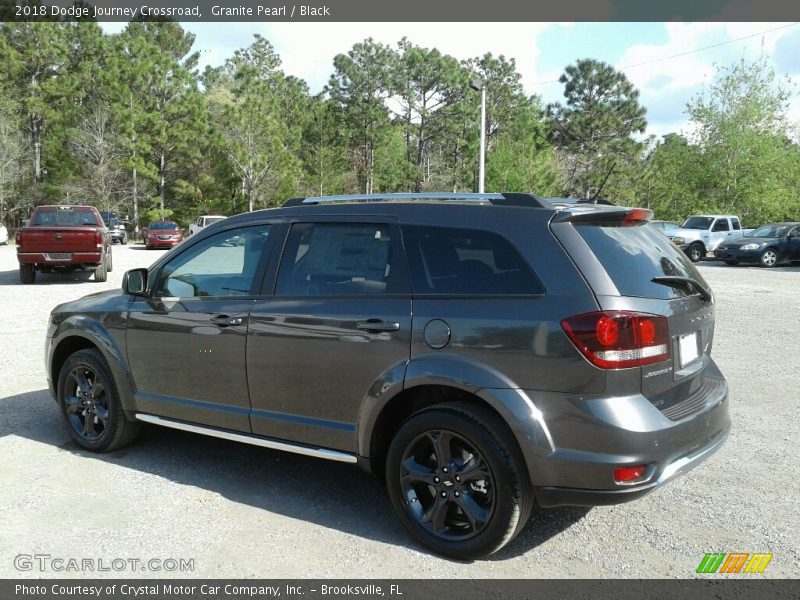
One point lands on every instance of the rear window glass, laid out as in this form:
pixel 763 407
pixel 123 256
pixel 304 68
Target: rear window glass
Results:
pixel 64 217
pixel 446 260
pixel 634 255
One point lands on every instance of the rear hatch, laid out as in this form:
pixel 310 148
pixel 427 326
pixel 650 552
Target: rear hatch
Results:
pixel 633 270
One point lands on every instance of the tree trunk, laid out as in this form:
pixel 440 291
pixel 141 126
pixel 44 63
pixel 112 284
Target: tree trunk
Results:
pixel 135 202
pixel 162 179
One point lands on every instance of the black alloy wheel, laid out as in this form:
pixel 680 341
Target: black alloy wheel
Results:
pixel 86 402
pixel 458 481
pixel 447 485
pixel 90 406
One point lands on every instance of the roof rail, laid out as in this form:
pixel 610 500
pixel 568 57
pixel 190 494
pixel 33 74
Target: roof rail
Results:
pixel 505 199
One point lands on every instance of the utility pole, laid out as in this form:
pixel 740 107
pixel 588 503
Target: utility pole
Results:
pixel 479 86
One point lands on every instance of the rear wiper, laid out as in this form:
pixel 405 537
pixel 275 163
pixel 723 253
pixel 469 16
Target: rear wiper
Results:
pixel 681 282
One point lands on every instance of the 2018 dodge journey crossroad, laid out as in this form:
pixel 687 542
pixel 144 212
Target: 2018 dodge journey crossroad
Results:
pixel 481 353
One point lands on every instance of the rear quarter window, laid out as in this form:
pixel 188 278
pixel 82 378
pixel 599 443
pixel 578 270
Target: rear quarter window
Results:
pixel 633 255
pixel 446 260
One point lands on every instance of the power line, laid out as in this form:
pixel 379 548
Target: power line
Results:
pixel 696 50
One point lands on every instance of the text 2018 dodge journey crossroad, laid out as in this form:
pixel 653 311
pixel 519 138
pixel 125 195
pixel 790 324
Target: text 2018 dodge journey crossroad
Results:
pixel 480 352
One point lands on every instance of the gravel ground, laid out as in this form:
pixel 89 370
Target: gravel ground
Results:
pixel 241 511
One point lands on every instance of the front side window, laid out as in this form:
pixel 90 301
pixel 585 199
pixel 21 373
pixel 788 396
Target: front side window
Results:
pixel 446 260
pixel 721 225
pixel 222 265
pixel 337 259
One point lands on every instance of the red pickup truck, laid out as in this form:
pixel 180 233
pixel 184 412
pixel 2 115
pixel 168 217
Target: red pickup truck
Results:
pixel 64 238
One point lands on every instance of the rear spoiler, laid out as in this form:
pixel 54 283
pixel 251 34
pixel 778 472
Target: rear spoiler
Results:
pixel 603 215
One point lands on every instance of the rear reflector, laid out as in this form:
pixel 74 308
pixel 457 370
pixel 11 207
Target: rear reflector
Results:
pixel 629 474
pixel 619 339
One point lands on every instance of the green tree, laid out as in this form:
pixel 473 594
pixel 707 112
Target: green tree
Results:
pixel 593 130
pixel 248 103
pixel 165 97
pixel 750 164
pixel 360 85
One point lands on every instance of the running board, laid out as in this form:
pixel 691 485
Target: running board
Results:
pixel 249 439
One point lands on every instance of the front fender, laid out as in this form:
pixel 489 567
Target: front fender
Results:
pixel 109 343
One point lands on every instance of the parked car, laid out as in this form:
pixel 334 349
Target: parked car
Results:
pixel 64 238
pixel 701 234
pixel 668 228
pixel 203 222
pixel 3 235
pixel 163 234
pixel 769 245
pixel 557 353
pixel 116 228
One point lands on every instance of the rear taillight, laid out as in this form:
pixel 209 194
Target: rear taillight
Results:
pixel 619 339
pixel 98 239
pixel 18 239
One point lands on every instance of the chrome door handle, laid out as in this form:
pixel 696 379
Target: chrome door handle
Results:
pixel 378 325
pixel 226 320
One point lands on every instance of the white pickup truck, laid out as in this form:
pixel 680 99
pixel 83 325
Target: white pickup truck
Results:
pixel 701 234
pixel 203 221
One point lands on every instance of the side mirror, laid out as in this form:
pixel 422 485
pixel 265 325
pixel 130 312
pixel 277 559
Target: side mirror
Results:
pixel 135 282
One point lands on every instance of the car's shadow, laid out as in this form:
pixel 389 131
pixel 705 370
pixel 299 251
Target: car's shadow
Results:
pixel 57 277
pixel 330 494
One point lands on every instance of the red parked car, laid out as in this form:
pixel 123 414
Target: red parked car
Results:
pixel 163 234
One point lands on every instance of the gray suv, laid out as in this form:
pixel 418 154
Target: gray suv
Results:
pixel 481 353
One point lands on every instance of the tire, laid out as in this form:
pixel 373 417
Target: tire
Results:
pixel 769 258
pixel 124 240
pixel 90 406
pixel 479 444
pixel 27 273
pixel 732 262
pixel 101 272
pixel 110 262
pixel 696 252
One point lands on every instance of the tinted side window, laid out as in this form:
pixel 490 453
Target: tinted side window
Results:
pixel 338 259
pixel 222 265
pixel 721 225
pixel 736 225
pixel 446 260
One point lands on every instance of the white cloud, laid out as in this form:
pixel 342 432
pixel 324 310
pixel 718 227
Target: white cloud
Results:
pixel 675 76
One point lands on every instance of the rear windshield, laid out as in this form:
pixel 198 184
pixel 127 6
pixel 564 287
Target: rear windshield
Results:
pixel 634 255
pixel 64 217
pixel 210 220
pixel 155 226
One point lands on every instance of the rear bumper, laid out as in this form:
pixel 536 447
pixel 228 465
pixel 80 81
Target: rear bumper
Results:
pixel 588 437
pixel 76 259
pixel 557 496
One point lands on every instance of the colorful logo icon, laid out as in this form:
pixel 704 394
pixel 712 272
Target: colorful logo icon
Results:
pixel 734 562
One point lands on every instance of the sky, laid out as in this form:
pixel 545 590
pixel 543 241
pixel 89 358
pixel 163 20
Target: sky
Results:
pixel 541 50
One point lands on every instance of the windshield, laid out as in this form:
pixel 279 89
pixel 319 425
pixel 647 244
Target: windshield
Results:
pixel 770 231
pixel 165 225
pixel 698 223
pixel 210 220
